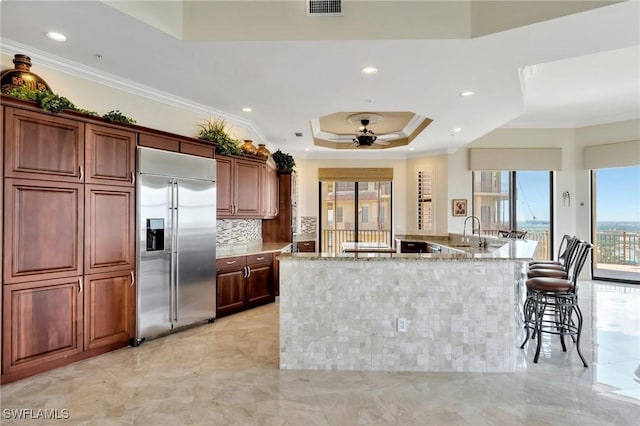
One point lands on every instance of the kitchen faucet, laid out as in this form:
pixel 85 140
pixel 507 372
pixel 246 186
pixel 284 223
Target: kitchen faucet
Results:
pixel 464 230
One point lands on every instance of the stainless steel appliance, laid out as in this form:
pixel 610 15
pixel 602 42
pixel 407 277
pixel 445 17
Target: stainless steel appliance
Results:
pixel 177 241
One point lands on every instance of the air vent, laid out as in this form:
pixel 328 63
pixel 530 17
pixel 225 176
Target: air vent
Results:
pixel 324 7
pixel 299 134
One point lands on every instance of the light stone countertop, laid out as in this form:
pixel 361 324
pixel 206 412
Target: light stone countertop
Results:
pixel 497 250
pixel 225 252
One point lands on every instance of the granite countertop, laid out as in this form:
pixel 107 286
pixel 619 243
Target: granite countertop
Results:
pixel 222 253
pixel 497 250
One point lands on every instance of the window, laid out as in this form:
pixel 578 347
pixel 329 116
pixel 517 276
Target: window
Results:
pixel 361 213
pixel 515 200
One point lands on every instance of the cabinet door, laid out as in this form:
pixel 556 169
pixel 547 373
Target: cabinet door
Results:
pixel 43 230
pixel 260 284
pixel 247 196
pixel 224 187
pixel 306 246
pixel 109 229
pixel 110 155
pixel 269 192
pixel 230 291
pixel 42 323
pixel 43 146
pixel 108 300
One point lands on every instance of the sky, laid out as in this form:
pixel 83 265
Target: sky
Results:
pixel 617 197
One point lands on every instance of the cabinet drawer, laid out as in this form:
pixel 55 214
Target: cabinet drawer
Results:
pixel 158 142
pixel 260 258
pixel 306 246
pixel 196 149
pixel 231 262
pixel 413 247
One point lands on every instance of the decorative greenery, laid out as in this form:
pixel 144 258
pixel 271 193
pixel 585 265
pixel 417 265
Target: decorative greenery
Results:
pixel 215 131
pixel 116 116
pixel 46 99
pixel 87 112
pixel 284 162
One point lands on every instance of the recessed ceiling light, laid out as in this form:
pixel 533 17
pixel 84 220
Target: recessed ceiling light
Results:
pixel 369 70
pixel 412 149
pixel 247 109
pixel 56 36
pixel 457 129
pixel 307 149
pixel 467 93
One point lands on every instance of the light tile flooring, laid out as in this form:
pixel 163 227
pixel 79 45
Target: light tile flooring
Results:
pixel 226 373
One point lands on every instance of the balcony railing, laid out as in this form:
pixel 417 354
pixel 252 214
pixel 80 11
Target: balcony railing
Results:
pixel 613 247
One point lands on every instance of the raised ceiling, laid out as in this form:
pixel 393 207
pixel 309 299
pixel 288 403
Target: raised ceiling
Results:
pixel 227 55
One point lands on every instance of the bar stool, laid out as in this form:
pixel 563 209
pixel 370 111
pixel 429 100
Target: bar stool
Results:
pixel 562 254
pixel 552 303
pixel 559 269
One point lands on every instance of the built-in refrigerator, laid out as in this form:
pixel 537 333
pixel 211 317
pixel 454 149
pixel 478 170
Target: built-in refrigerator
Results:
pixel 176 212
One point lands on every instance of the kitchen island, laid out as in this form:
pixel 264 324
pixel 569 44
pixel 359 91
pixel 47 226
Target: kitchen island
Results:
pixel 459 311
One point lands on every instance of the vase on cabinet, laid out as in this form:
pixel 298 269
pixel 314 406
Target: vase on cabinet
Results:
pixel 248 147
pixel 263 151
pixel 22 76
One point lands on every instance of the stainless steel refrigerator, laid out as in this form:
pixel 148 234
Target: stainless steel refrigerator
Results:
pixel 176 262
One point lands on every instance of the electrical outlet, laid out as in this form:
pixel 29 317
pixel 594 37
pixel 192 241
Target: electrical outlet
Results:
pixel 402 325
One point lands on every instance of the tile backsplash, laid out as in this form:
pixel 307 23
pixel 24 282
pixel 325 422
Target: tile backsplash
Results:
pixel 308 224
pixel 237 231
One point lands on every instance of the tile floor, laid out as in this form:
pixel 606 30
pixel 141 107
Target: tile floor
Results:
pixel 226 373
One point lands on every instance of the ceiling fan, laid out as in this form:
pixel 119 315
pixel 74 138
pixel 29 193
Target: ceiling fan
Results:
pixel 366 137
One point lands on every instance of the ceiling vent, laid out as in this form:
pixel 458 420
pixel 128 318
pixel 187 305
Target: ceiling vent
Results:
pixel 324 7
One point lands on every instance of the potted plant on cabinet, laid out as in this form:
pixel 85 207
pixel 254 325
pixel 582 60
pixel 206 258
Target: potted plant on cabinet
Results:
pixel 215 131
pixel 284 162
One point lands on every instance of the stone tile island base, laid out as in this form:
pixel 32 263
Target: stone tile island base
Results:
pixel 341 314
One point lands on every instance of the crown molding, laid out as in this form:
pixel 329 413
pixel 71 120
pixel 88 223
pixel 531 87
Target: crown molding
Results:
pixel 10 48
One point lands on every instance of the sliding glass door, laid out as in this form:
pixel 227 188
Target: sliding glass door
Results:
pixel 354 212
pixel 616 223
pixel 515 200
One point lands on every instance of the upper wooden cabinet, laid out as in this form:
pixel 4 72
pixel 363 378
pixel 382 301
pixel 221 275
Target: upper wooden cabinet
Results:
pixel 177 144
pixel 43 146
pixel 239 187
pixel 269 192
pixel 110 155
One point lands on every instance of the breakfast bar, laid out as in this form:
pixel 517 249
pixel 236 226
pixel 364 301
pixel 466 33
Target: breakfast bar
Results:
pixel 457 311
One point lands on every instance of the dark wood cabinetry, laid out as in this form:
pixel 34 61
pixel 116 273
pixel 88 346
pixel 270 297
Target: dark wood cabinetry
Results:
pixel 43 146
pixel 42 324
pixel 306 246
pixel 43 230
pixel 110 229
pixel 239 187
pixel 69 249
pixel 167 142
pixel 109 156
pixel 243 282
pixel 279 229
pixel 109 313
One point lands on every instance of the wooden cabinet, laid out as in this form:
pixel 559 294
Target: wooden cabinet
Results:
pixel 42 324
pixel 69 248
pixel 230 281
pixel 43 230
pixel 109 309
pixel 269 192
pixel 260 279
pixel 278 229
pixel 306 246
pixel 110 155
pixel 176 144
pixel 238 187
pixel 43 146
pixel 243 282
pixel 110 229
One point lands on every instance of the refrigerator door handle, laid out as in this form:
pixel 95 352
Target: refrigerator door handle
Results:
pixel 176 249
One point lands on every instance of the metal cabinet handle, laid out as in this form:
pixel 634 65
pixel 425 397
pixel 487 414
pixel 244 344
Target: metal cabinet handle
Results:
pixel 81 173
pixel 80 287
pixel 133 178
pixel 260 258
pixel 306 244
pixel 133 279
pixel 248 271
pixel 231 263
